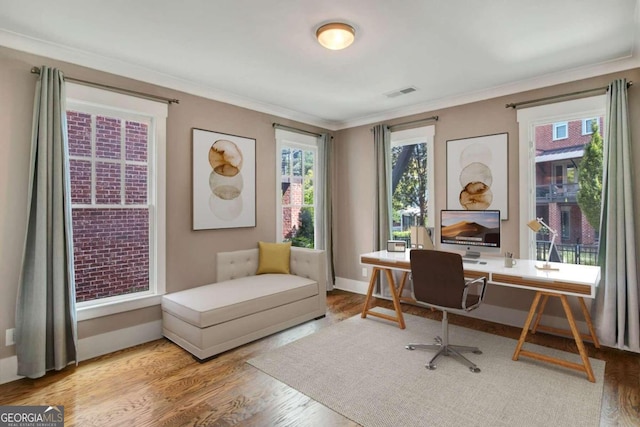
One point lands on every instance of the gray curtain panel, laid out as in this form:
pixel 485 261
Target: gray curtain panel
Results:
pixel 325 226
pixel 617 310
pixel 382 219
pixel 46 327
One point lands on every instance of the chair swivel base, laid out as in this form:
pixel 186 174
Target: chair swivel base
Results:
pixel 448 350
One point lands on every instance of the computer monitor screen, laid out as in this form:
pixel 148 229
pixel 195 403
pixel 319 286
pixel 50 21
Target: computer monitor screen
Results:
pixel 475 231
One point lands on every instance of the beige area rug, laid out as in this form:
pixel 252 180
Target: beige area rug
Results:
pixel 360 369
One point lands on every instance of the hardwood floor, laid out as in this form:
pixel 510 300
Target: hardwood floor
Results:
pixel 159 384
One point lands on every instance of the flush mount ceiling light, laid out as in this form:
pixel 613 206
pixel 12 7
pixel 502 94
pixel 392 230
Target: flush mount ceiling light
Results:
pixel 336 35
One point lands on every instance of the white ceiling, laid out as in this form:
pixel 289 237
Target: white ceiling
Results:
pixel 262 54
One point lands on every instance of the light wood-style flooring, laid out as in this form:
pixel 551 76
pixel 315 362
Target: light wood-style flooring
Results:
pixel 159 384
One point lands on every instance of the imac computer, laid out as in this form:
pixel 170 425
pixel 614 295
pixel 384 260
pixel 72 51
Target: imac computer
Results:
pixel 475 232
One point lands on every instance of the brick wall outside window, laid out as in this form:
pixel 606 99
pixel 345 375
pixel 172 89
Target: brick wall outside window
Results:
pixel 293 196
pixel 111 243
pixel 111 252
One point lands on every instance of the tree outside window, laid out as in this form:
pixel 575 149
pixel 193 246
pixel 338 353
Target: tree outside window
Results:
pixel 409 188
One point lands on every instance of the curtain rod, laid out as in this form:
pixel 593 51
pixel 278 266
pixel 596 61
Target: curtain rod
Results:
pixel 36 70
pixel 515 105
pixel 292 129
pixel 428 119
pixel 413 122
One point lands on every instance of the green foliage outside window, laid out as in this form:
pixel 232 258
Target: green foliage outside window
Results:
pixel 299 165
pixel 409 180
pixel 590 178
pixel 303 236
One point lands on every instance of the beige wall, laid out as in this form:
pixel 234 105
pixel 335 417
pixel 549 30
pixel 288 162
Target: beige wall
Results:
pixel 356 174
pixel 190 254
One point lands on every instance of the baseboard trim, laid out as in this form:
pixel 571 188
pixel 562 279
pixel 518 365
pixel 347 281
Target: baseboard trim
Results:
pixel 512 317
pixel 9 369
pixel 350 285
pixel 109 342
pixel 95 346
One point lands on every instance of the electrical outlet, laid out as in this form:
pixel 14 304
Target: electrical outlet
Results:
pixel 364 271
pixel 10 337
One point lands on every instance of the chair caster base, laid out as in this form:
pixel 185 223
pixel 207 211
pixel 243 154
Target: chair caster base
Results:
pixel 430 366
pixel 409 347
pixel 477 352
pixel 474 370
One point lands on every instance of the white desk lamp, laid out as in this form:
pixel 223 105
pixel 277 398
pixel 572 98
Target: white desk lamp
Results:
pixel 536 225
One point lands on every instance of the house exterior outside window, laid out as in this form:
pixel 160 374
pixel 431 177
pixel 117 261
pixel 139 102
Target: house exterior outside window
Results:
pixel 557 167
pixel 297 178
pixel 117 167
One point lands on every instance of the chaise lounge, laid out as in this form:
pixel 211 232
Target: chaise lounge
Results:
pixel 243 306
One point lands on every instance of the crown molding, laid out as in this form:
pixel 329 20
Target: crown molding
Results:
pixel 118 67
pixel 539 82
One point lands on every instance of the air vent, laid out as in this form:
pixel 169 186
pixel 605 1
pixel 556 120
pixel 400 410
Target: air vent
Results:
pixel 399 92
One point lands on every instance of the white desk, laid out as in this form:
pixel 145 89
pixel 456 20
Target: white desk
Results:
pixel 570 280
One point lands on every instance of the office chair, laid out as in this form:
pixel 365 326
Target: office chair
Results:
pixel 439 282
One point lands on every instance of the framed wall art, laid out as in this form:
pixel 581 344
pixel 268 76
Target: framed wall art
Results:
pixel 477 173
pixel 224 180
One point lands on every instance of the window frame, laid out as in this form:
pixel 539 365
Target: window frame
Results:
pixel 528 119
pixel 557 126
pixel 305 142
pixel 586 130
pixel 92 100
pixel 423 134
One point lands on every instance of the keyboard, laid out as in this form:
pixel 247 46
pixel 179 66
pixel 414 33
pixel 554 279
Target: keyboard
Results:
pixel 470 261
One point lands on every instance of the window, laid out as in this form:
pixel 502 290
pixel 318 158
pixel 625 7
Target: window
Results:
pixel 552 172
pixel 560 131
pixel 587 125
pixel 116 157
pixel 411 180
pixel 298 180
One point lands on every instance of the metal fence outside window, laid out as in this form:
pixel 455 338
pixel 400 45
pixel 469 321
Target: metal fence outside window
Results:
pixel 569 253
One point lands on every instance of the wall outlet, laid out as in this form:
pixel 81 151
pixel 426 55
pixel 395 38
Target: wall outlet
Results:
pixel 364 272
pixel 10 337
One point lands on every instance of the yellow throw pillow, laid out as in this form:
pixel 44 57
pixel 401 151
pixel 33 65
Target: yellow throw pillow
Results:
pixel 273 257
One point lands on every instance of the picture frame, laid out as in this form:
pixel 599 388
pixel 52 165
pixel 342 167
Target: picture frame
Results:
pixel 224 180
pixel 478 173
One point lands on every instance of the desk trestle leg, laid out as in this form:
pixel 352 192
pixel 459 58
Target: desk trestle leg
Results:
pixel 394 295
pixel 585 366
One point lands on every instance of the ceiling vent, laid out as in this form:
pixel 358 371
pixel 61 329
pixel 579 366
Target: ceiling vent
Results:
pixel 399 92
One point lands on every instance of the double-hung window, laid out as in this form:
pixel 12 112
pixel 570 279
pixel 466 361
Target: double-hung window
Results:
pixel 116 158
pixel 550 170
pixel 412 180
pixel 298 180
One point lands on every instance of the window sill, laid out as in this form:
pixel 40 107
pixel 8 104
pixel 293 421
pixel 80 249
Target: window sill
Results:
pixel 115 307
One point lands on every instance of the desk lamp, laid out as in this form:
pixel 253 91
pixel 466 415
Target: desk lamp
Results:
pixel 536 225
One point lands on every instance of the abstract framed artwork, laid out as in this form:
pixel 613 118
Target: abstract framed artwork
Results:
pixel 224 180
pixel 477 173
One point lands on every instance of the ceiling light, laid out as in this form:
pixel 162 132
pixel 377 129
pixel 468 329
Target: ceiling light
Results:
pixel 336 35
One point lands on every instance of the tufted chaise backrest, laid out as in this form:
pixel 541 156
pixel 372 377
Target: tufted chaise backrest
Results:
pixel 232 265
pixel 309 263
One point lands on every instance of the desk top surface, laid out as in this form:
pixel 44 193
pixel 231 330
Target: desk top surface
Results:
pixel 569 278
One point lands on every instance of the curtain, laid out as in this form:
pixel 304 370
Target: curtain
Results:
pixel 46 335
pixel 616 306
pixel 325 227
pixel 382 207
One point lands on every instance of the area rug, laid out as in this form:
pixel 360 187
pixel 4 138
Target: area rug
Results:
pixel 361 369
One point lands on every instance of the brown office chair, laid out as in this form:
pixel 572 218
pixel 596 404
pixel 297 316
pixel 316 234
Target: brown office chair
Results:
pixel 439 282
